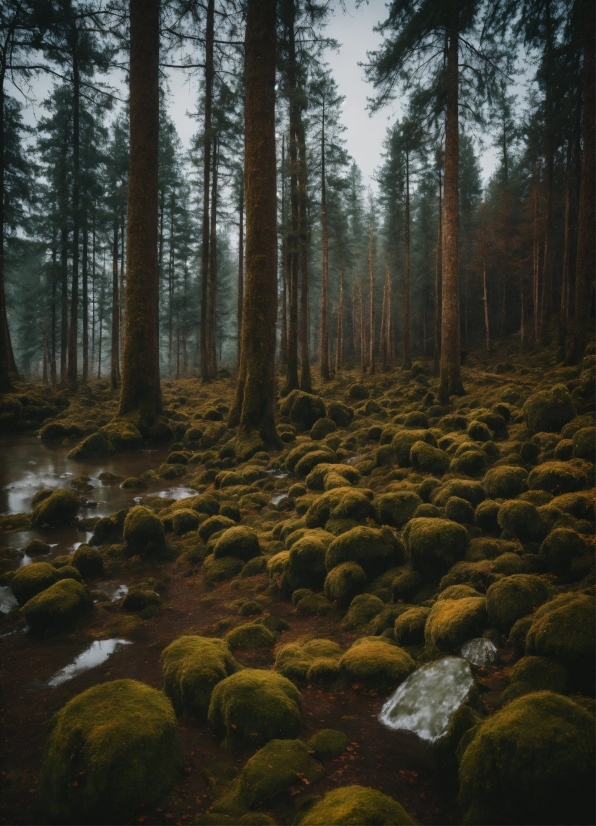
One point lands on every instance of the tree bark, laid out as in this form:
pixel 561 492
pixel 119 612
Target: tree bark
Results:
pixel 76 189
pixel 240 266
pixel 549 155
pixel 438 282
pixel 212 326
pixel 285 266
pixel 340 315
pixel 324 345
pixel 7 365
pixel 450 382
pixel 85 308
pixel 407 362
pixel 305 377
pixel 209 72
pixel 64 300
pixel 141 392
pixel 371 303
pixel 115 354
pixel 255 388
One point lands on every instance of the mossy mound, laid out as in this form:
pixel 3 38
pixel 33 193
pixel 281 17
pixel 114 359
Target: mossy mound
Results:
pixel 321 428
pixel 405 585
pixel 408 628
pixel 560 548
pixel 459 510
pixel 88 562
pixel 303 409
pixel 319 512
pixel 375 551
pixel 37 548
pixel 354 806
pixel 110 749
pixel 69 572
pixel 95 446
pixel 434 545
pixel 397 508
pixel 58 607
pixel 344 582
pixel 549 410
pixel 217 570
pixel 522 520
pixel 404 440
pixel 451 622
pixel 213 525
pixel 375 663
pixel 536 674
pixel 312 459
pixel 254 706
pixel 584 444
pixel 57 510
pixel 557 478
pixel 340 413
pixel 505 482
pixel 531 763
pixel 185 520
pixel 354 504
pixel 473 492
pixel 250 636
pixel 328 743
pixel 144 532
pixel 32 580
pixel 486 516
pixel 363 609
pixel 294 661
pixel 307 563
pixel 472 462
pixel 514 597
pixel 192 666
pixel 428 459
pixel 123 434
pixel 240 542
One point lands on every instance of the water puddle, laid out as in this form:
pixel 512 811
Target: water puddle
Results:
pixel 479 652
pixel 352 459
pixel 112 590
pixel 278 497
pixel 425 702
pixel 7 600
pixel 97 653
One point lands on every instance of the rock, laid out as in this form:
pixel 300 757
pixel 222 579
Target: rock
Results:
pixel 344 582
pixel 549 410
pixel 144 532
pixel 375 551
pixel 453 621
pixel 328 743
pixel 295 661
pixel 356 804
pixel 240 542
pixel 505 482
pixel 88 562
pixel 513 597
pixel 31 580
pixel 376 663
pixel 249 637
pixel 60 508
pixel 557 478
pixel 479 652
pixel 95 446
pixel 434 545
pixel 522 520
pixel 58 607
pixel 397 508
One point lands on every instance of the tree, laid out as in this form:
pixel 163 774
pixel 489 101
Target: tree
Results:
pixel 254 405
pixel 141 391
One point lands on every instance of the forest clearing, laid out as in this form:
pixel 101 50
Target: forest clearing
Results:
pixel 297 494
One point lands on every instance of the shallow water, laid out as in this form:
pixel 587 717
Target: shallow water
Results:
pixel 97 653
pixel 426 701
pixel 479 652
pixel 278 497
pixel 7 600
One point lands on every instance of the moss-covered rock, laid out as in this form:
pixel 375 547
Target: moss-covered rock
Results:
pixel 434 545
pixel 486 516
pixel 58 607
pixel 522 520
pixel 307 562
pixel 473 492
pixel 213 525
pixel 95 446
pixel 217 570
pixel 110 749
pixel 321 428
pixel 472 462
pixel 532 762
pixel 397 507
pixel 557 478
pixel 294 660
pixel 313 458
pixel 344 582
pixel 375 663
pixel 505 482
pixel 37 548
pixel 88 562
pixel 535 674
pixel 250 636
pixel 57 510
pixel 320 510
pixel 428 459
pixel 340 413
pixel 240 542
pixel 303 409
pixel 560 548
pixel 353 805
pixel 123 434
pixel 254 706
pixel 451 622
pixel 459 510
pixel 409 626
pixel 405 585
pixel 513 597
pixel 549 410
pixel 137 599
pixel 584 444
pixel 355 505
pixel 144 532
pixel 32 579
pixel 185 520
pixel 375 551
pixel 192 666
pixel 363 609
pixel 328 743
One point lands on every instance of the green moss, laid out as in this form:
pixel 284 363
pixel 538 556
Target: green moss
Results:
pixel 88 562
pixel 110 749
pixel 459 510
pixel 344 582
pixel 522 520
pixel 536 674
pixel 303 409
pixel 363 609
pixel 213 525
pixel 434 545
pixel 217 570
pixel 479 431
pixel 473 492
pixel 472 462
pixel 320 510
pixel 355 805
pixel 486 516
pixel 240 542
pixel 559 549
pixel 406 585
pixel 307 562
pixel 123 434
pixel 312 459
pixel 254 706
pixel 354 504
pixel 95 446
pixel 376 664
pixel 57 510
pixel 375 551
pixel 323 670
pixel 584 444
pixel 505 482
pixel 519 633
pixel 58 607
pixel 452 622
pixel 249 637
pixel 328 743
pixel 404 440
pixel 549 410
pixel 294 661
pixel 428 459
pixel 409 626
pixel 340 413
pixel 192 666
pixel 532 762
pixel 557 478
pixel 138 599
pixel 32 580
pixel 513 597
pixel 185 520
pixel 458 592
pixel 321 428
pixel 143 532
pixel 69 572
pixel 397 508
pixel 206 504
pixel 255 566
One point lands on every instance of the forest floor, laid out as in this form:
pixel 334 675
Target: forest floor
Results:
pixel 193 600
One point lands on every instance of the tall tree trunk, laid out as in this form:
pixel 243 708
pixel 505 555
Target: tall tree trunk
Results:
pixel 85 302
pixel 536 263
pixel 564 309
pixel 362 328
pixel 325 272
pixel 115 355
pixel 240 266
pixel 209 73
pixel 141 391
pixel 184 324
pixel 53 377
pixel 64 301
pixel 549 155
pixel 305 377
pixel 76 188
pixel 122 287
pixel 93 295
pixel 7 364
pixel 171 285
pixel 254 405
pixel 212 326
pixel 438 282
pixel 407 363
pixel 292 380
pixel 384 325
pixel 485 279
pixel 283 354
pixel 340 315
pixel 450 382
pixel 371 303
pixel 585 261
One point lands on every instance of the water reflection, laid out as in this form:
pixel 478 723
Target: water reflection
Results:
pixel 97 653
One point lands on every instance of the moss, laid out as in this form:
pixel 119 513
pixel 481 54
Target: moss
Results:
pixel 473 492
pixel 122 738
pixel 406 585
pixel 375 551
pixel 560 548
pixel 409 626
pixel 479 431
pixel 472 462
pixel 231 510
pixel 340 413
pixel 354 504
pixel 32 580
pixel 88 562
pixel 459 510
pixel 486 516
pixel 513 597
pixel 452 622
pixel 536 674
pixel 321 428
pixel 522 520
pixel 303 409
pixel 519 633
pixel 57 431
pixel 475 574
pixel 434 545
pixel 254 706
pixel 37 548
pixel 397 508
pixel 213 525
pixel 323 670
pixel 363 609
pixel 532 762
pixel 143 532
pixel 428 459
pixel 353 805
pixel 447 750
pixel 344 582
pixel 123 434
pixel 458 592
pixel 557 478
pixel 580 505
pixel 192 666
pixel 95 446
pixel 307 562
pixel 564 629
pixel 217 570
pixel 255 566
pixel 505 482
pixel 58 607
pixel 69 572
pixel 294 661
pixel 240 542
pixel 405 439
pixel 249 637
pixel 376 664
pixel 549 410
pixel 57 510
pixel 206 504
pixel 320 510
pixel 584 444
pixel 312 459
pixel 133 483
pixel 185 520
pixel 328 743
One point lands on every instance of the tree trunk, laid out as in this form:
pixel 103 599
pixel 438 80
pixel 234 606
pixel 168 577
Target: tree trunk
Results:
pixel 209 72
pixel 64 301
pixel 283 354
pixel 53 377
pixel 384 325
pixel 564 310
pixel 584 267
pixel 85 304
pixel 115 355
pixel 549 155
pixel 254 405
pixel 325 272
pixel 7 365
pixel 240 266
pixel 171 286
pixel 407 363
pixel 536 263
pixel 340 315
pixel 362 329
pixel 292 381
pixel 450 382
pixel 93 295
pixel 212 326
pixel 438 283
pixel 371 304
pixel 76 188
pixel 305 377
pixel 141 390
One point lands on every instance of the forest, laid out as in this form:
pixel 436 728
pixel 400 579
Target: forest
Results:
pixel 297 492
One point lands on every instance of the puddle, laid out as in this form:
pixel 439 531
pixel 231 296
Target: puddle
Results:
pixel 479 652
pixel 97 653
pixel 425 702
pixel 7 600
pixel 112 590
pixel 352 459
pixel 278 497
